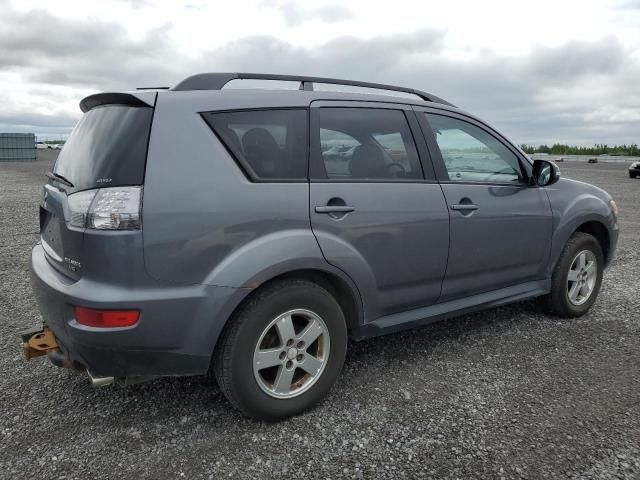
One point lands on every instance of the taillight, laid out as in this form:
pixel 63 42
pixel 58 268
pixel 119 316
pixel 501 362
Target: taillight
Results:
pixel 78 205
pixel 105 318
pixel 113 208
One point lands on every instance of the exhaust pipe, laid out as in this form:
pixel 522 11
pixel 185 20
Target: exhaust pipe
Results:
pixel 101 381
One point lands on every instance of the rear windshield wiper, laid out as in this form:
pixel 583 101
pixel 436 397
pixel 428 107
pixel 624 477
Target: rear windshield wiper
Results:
pixel 59 178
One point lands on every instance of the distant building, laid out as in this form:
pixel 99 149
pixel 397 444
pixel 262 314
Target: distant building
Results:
pixel 17 146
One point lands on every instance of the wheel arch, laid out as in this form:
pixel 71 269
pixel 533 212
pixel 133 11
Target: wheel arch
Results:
pixel 341 287
pixel 580 207
pixel 594 226
pixel 599 231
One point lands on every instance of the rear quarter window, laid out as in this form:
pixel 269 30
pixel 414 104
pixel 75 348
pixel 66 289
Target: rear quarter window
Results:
pixel 268 144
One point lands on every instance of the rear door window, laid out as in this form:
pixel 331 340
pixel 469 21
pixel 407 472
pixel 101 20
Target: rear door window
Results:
pixel 268 144
pixel 367 144
pixel 108 147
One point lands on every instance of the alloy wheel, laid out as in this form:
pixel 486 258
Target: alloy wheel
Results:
pixel 291 353
pixel 582 277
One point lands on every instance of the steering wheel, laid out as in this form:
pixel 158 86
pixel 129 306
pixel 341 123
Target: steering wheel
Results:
pixel 402 171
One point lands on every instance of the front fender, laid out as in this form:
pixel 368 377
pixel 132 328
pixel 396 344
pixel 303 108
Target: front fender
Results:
pixel 573 204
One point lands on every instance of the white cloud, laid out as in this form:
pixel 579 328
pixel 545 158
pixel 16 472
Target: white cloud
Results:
pixel 295 14
pixel 569 76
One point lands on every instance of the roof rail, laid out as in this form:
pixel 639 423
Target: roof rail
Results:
pixel 215 81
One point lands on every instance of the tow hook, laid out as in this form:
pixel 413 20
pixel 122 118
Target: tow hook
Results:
pixel 37 343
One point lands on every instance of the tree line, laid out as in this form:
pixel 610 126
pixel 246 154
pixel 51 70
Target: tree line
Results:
pixel 597 149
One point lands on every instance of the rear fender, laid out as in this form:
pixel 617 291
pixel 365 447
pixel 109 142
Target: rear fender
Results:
pixel 264 259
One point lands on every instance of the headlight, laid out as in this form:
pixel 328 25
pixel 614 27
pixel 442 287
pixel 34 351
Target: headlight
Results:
pixel 614 207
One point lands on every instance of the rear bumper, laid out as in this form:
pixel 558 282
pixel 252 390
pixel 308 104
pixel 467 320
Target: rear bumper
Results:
pixel 176 333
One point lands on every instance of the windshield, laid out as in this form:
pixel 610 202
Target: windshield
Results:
pixel 108 147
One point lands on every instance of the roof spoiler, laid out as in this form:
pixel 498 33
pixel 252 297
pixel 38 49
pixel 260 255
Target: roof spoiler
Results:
pixel 137 99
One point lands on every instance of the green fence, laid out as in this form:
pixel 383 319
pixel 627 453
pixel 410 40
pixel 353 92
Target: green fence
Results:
pixel 18 146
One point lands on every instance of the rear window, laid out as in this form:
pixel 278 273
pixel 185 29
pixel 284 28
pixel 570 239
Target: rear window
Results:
pixel 108 147
pixel 268 144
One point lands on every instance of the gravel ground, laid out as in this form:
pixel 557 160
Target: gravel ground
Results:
pixel 507 392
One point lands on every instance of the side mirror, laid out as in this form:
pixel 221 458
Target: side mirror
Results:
pixel 545 173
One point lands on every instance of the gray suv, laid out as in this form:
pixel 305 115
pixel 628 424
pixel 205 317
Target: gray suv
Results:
pixel 253 231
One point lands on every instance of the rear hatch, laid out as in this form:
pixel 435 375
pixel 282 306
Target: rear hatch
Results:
pixel 107 148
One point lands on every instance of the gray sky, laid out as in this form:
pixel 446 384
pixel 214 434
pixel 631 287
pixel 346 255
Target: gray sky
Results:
pixel 541 71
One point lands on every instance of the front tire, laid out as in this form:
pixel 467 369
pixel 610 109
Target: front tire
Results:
pixel 282 350
pixel 632 175
pixel 576 278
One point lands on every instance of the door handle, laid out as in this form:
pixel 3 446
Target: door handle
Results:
pixel 465 206
pixel 334 209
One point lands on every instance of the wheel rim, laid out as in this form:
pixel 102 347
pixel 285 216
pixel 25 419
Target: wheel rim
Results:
pixel 291 353
pixel 582 276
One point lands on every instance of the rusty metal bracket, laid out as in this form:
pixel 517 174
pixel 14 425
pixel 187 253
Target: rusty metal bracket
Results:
pixel 39 343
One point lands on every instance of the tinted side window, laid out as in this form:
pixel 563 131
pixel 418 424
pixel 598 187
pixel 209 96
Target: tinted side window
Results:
pixel 471 154
pixel 269 144
pixel 367 144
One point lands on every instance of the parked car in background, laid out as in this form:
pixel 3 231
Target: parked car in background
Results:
pixel 634 170
pixel 41 146
pixel 204 227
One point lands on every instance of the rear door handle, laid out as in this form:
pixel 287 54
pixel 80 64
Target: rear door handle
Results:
pixel 465 206
pixel 335 209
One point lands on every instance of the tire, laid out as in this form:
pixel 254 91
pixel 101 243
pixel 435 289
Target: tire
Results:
pixel 558 301
pixel 632 175
pixel 251 331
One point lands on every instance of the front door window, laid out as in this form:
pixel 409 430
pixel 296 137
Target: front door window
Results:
pixel 471 154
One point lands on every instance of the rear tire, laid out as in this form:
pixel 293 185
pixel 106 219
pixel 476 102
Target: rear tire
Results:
pixel 576 278
pixel 262 362
pixel 632 175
